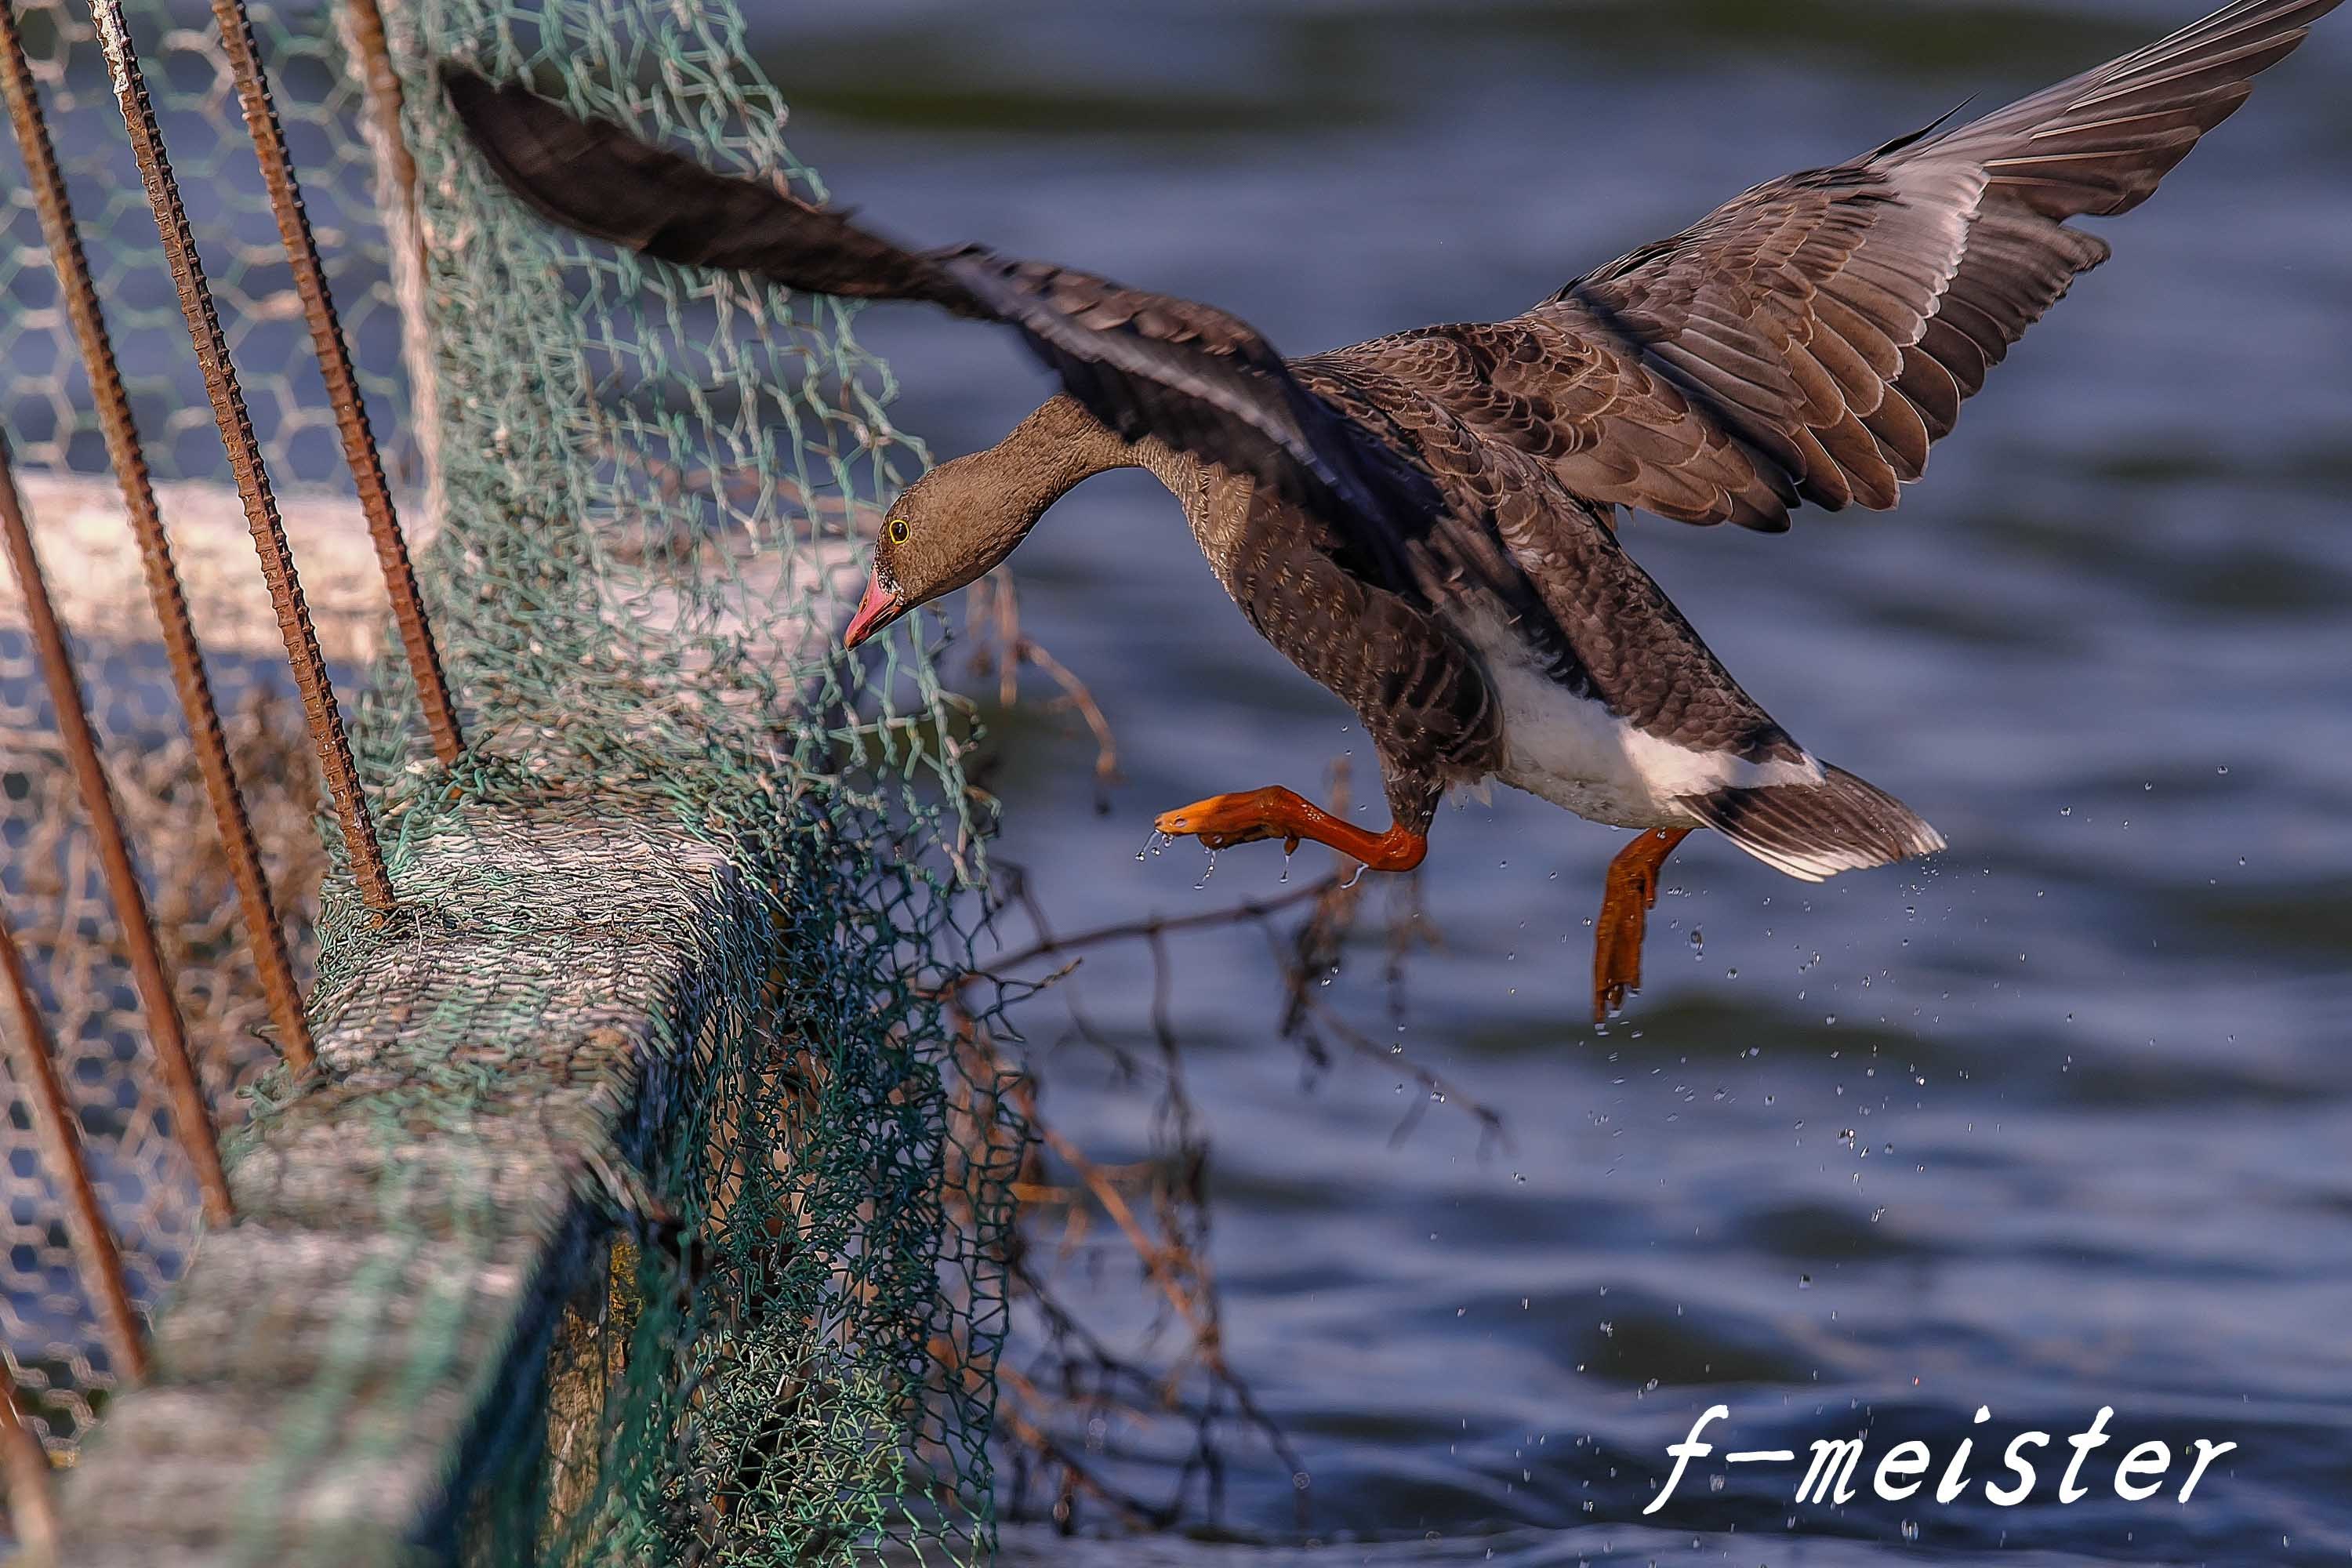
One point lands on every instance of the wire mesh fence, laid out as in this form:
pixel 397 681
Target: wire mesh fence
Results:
pixel 81 961
pixel 644 490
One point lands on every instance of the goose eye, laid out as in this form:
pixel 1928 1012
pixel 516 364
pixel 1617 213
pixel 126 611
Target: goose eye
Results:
pixel 898 531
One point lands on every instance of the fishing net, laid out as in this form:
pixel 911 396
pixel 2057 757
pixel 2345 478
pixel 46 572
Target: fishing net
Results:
pixel 646 491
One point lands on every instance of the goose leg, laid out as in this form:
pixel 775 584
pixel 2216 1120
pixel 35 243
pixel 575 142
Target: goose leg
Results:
pixel 1631 892
pixel 1275 813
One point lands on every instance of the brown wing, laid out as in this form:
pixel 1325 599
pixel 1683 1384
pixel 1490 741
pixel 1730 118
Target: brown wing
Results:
pixel 1201 380
pixel 1813 337
pixel 1579 607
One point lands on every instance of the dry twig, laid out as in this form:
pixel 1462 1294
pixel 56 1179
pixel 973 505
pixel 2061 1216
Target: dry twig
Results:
pixel 1000 647
pixel 1158 1208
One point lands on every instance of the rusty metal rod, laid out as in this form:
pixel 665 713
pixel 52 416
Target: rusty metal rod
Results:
pixel 267 936
pixel 96 1257
pixel 334 354
pixel 32 1501
pixel 371 49
pixel 360 23
pixel 309 665
pixel 191 1119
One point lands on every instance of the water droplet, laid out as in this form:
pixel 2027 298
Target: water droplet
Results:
pixel 2065 811
pixel 1210 871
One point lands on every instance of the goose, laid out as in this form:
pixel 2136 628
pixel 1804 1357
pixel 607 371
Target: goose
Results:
pixel 1427 523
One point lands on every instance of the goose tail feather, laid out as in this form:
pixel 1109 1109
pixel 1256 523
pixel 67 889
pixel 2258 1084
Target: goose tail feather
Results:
pixel 1813 831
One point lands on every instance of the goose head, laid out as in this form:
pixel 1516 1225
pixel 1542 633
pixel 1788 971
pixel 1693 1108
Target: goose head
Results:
pixel 957 524
pixel 950 528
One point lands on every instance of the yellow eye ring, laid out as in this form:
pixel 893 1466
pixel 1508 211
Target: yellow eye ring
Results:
pixel 898 531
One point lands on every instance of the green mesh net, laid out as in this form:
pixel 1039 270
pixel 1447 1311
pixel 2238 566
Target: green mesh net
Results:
pixel 645 493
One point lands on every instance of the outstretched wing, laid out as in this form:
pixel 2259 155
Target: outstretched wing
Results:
pixel 1146 364
pixel 1812 339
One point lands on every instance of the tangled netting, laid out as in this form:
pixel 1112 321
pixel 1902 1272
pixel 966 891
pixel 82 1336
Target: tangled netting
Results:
pixel 646 492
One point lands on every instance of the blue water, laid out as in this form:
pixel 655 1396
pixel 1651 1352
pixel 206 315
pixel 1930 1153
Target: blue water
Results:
pixel 2060 1121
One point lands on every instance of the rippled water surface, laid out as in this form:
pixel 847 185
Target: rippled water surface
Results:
pixel 2063 1119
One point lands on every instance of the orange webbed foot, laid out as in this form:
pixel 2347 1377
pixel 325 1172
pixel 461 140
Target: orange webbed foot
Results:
pixel 1225 820
pixel 1631 892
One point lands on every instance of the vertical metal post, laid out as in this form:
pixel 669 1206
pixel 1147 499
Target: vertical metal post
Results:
pixel 309 665
pixel 266 937
pixel 326 341
pixel 191 1117
pixel 96 1257
pixel 366 38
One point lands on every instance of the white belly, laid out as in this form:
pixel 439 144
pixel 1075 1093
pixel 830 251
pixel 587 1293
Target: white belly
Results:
pixel 1571 751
